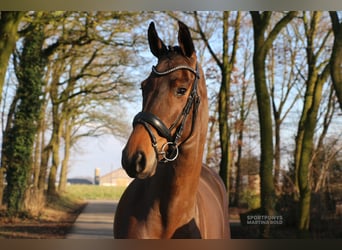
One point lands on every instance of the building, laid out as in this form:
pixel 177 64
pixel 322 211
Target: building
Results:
pixel 117 177
pixel 80 180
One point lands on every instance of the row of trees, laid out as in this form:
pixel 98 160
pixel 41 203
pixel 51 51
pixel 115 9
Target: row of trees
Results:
pixel 68 74
pixel 65 77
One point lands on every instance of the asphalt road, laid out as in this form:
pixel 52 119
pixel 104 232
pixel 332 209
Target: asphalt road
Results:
pixel 95 221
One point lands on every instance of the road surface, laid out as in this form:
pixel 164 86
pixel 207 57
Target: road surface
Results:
pixel 95 221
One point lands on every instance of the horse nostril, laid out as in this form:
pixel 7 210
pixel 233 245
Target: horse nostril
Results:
pixel 140 162
pixel 134 165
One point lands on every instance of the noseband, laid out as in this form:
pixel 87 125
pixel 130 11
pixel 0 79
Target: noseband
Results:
pixel 148 119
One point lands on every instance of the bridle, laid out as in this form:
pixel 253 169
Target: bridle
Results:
pixel 148 119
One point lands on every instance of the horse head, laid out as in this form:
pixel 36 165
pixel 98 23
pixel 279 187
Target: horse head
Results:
pixel 171 103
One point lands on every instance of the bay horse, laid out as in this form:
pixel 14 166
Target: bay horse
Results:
pixel 173 195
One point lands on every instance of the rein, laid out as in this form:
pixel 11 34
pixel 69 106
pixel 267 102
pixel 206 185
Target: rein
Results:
pixel 148 119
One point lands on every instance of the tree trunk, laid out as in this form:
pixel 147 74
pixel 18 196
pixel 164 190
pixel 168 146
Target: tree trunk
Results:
pixel 65 161
pixel 336 56
pixel 55 143
pixel 36 160
pixel 223 107
pixel 305 159
pixel 44 161
pixel 244 110
pixel 277 156
pixel 266 136
pixel 2 184
pixel 211 142
pixel 226 66
pixel 320 148
pixel 261 47
pixel 277 123
pixel 56 130
pixel 19 147
pixel 9 22
pixel 238 169
pixel 307 124
pixel 39 145
pixel 5 141
pixel 301 128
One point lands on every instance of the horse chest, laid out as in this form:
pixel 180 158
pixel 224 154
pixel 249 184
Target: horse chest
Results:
pixel 159 220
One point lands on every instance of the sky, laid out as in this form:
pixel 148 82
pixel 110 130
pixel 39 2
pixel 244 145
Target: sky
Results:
pixel 91 153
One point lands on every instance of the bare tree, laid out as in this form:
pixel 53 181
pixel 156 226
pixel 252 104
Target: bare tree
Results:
pixel 89 75
pixel 226 64
pixel 283 76
pixel 317 74
pixel 262 44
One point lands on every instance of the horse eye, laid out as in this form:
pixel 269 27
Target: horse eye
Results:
pixel 181 91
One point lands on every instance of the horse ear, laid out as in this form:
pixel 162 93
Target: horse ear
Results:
pixel 157 46
pixel 185 41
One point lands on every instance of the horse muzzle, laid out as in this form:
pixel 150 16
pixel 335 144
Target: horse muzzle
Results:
pixel 137 165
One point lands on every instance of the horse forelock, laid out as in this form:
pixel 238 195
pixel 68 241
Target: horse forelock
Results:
pixel 172 52
pixel 176 49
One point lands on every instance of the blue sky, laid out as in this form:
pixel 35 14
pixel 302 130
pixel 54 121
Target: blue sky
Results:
pixel 103 153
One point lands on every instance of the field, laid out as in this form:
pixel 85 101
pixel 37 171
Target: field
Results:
pixel 94 192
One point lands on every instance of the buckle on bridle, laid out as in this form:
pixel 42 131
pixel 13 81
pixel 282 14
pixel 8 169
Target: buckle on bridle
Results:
pixel 172 152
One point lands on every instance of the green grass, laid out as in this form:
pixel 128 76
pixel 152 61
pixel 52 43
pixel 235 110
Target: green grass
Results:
pixel 94 192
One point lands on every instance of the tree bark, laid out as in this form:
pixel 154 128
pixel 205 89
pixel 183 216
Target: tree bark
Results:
pixel 67 146
pixel 307 124
pixel 55 140
pixel 305 159
pixel 336 56
pixel 223 107
pixel 9 21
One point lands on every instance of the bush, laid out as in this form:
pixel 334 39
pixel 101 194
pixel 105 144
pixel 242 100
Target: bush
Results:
pixel 250 198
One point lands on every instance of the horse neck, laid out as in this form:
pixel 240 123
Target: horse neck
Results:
pixel 177 182
pixel 187 167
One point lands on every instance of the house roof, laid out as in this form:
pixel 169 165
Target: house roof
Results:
pixel 118 173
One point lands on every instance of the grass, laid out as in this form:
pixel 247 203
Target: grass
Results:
pixel 94 192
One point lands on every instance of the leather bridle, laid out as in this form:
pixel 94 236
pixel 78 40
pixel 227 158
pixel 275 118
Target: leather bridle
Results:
pixel 148 119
